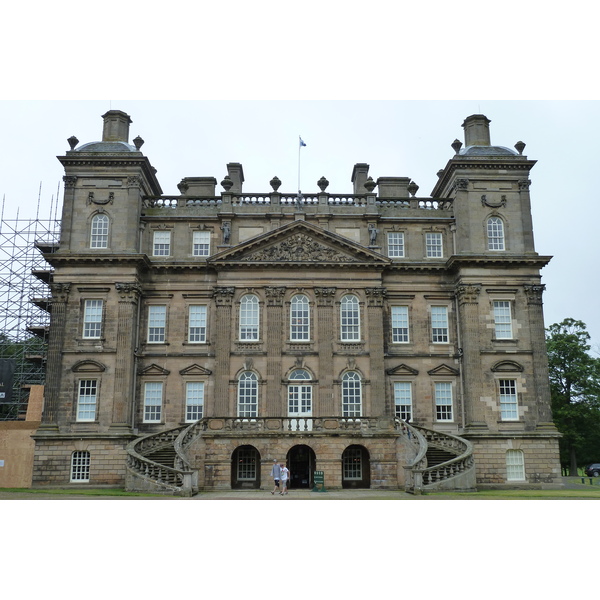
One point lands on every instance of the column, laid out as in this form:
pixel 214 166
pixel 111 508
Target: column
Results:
pixel 60 295
pixel 223 297
pixel 380 405
pixel 275 406
pixel 468 327
pixel 326 331
pixel 125 365
pixel 541 382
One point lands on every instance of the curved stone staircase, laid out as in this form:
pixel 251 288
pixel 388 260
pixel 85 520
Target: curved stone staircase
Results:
pixel 157 462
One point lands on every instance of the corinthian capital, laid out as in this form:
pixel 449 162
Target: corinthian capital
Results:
pixel 468 293
pixel 534 293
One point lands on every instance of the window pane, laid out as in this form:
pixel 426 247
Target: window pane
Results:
pixel 395 245
pixel 502 319
pixel 299 319
pixel 495 232
pixel 197 324
pixel 443 401
pixel 157 321
pixel 153 402
pixel 515 465
pixel 509 410
pixel 352 463
pixel 246 466
pixel 92 318
pixel 99 233
pixel 439 324
pixel 201 243
pixel 248 395
pixel 433 244
pixel 351 395
pixel 80 467
pixel 350 319
pixel 403 399
pixel 162 243
pixel 86 401
pixel 249 311
pixel 399 324
pixel 194 400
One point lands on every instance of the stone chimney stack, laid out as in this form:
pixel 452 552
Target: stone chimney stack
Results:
pixel 359 177
pixel 477 130
pixel 236 174
pixel 116 126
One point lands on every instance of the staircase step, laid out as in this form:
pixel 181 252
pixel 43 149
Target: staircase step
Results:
pixel 436 456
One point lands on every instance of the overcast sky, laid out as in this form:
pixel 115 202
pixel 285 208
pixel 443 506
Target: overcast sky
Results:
pixel 396 138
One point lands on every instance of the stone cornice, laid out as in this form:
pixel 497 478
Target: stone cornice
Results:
pixel 58 259
pixel 461 260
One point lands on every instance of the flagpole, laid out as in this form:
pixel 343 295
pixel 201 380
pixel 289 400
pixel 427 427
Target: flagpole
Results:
pixel 299 148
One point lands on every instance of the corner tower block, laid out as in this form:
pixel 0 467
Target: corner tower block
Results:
pixel 116 126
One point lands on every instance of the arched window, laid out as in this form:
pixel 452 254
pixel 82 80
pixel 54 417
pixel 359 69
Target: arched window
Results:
pixel 351 394
pixel 350 319
pixel 249 318
pixel 80 467
pixel 247 395
pixel 495 233
pixel 515 465
pixel 299 319
pixel 99 232
pixel 300 397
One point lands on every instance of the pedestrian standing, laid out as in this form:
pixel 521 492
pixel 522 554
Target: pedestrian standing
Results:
pixel 285 476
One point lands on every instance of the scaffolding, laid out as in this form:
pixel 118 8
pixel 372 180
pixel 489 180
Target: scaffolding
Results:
pixel 25 294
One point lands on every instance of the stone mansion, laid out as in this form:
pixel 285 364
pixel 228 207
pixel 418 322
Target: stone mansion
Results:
pixel 384 339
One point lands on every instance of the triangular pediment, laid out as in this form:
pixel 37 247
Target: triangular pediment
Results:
pixel 195 370
pixel 402 370
pixel 154 369
pixel 443 370
pixel 300 243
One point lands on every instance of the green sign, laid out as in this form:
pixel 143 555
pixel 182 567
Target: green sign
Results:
pixel 319 479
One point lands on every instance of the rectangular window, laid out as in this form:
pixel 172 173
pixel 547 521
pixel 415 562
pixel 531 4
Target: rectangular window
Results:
pixel 162 243
pixel 515 465
pixel 197 324
pixel 509 410
pixel 439 324
pixel 194 401
pixel 153 392
pixel 395 245
pixel 443 401
pixel 80 467
pixel 399 324
pixel 433 245
pixel 502 320
pixel 157 324
pixel 92 319
pixel 87 399
pixel 201 243
pixel 403 399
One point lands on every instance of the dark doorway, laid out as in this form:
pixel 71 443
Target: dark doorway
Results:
pixel 245 468
pixel 301 463
pixel 356 467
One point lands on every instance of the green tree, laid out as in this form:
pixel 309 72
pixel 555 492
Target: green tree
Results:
pixel 575 389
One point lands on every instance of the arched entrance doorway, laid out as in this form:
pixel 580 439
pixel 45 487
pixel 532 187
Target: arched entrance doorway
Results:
pixel 301 461
pixel 356 467
pixel 245 468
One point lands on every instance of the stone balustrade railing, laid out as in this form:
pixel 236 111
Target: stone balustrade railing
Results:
pixel 434 477
pixel 274 199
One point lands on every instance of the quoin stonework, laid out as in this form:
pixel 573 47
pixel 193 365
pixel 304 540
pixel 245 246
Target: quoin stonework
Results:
pixel 387 339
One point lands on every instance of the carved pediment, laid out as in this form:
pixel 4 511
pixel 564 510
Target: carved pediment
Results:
pixel 443 369
pixel 88 366
pixel 153 369
pixel 507 366
pixel 300 242
pixel 195 370
pixel 402 370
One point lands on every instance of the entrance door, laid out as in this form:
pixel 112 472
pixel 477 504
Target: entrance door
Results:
pixel 301 463
pixel 300 401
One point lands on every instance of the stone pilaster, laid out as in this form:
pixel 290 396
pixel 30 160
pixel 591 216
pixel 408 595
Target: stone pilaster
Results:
pixel 60 296
pixel 124 393
pixel 223 297
pixel 539 354
pixel 468 323
pixel 326 331
pixel 275 326
pixel 380 405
